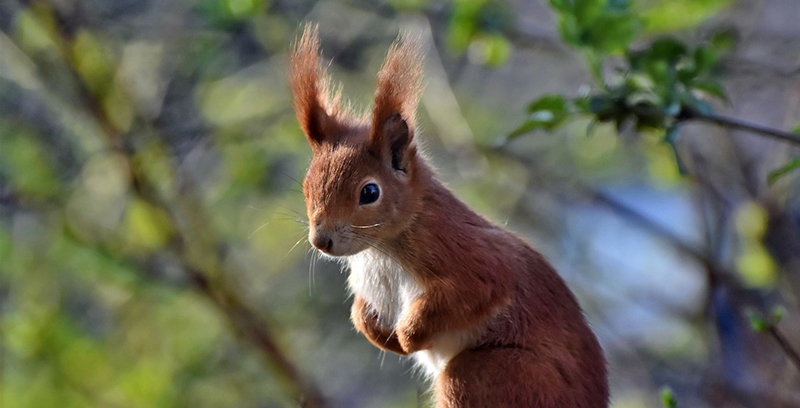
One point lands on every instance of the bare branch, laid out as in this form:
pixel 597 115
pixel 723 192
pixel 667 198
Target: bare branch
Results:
pixel 740 124
pixel 787 348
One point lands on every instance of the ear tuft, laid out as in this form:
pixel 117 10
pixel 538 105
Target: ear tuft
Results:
pixel 310 86
pixel 398 92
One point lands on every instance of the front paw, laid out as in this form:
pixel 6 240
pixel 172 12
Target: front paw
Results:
pixel 412 337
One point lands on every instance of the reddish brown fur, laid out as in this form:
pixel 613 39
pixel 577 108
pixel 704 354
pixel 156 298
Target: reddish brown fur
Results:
pixel 532 347
pixel 318 110
pixel 399 85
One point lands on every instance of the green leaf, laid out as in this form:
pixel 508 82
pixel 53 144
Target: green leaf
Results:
pixel 659 71
pixel 146 227
pixel 796 129
pixel 784 170
pixel 668 398
pixel 587 11
pixel 668 49
pixel 26 163
pixel 526 127
pixel 549 102
pixel 569 30
pixel 228 13
pixel 777 314
pixel 723 41
pixel 547 112
pixel 757 321
pixel 638 82
pixel 459 33
pixel 604 26
pixel 704 59
pixel 583 104
pixel 678 15
pixel 712 88
pixel 493 50
pixel 561 5
pixel 612 34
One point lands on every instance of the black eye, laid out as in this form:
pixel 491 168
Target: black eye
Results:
pixel 369 194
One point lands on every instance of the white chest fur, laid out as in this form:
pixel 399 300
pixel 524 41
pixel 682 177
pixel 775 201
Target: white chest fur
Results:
pixel 385 285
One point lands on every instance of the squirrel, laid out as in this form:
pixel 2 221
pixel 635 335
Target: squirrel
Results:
pixel 486 316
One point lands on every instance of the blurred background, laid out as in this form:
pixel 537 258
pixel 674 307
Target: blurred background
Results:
pixel 152 245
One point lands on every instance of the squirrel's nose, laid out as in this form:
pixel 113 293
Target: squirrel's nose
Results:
pixel 322 241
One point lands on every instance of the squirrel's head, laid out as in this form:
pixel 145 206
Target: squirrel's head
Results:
pixel 360 185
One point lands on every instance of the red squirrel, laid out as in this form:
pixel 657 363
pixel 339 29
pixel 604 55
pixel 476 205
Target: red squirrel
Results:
pixel 483 313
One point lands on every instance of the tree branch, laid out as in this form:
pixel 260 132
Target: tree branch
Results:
pixel 741 124
pixel 787 348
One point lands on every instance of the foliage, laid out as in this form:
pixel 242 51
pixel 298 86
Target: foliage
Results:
pixel 597 26
pixel 762 324
pixel 481 27
pixel 668 398
pixel 657 87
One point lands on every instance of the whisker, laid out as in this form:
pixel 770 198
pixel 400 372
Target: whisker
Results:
pixel 293 179
pixel 286 217
pixel 295 245
pixel 312 272
pixel 367 226
pixel 292 210
pixel 259 229
pixel 270 222
pixel 290 217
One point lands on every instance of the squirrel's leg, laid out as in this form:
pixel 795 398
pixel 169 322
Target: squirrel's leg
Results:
pixel 366 321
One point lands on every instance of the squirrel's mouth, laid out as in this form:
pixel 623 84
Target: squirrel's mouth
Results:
pixel 337 254
pixel 334 245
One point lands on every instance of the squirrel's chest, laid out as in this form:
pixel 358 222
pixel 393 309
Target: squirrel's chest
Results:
pixel 383 283
pixel 391 290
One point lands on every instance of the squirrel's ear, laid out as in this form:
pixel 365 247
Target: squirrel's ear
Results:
pixel 316 124
pixel 310 87
pixel 399 88
pixel 395 137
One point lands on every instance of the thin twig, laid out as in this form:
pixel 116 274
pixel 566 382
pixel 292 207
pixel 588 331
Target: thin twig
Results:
pixel 741 124
pixel 689 114
pixel 787 348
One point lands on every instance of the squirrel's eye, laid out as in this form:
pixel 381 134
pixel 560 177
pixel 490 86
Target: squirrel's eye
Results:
pixel 369 194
